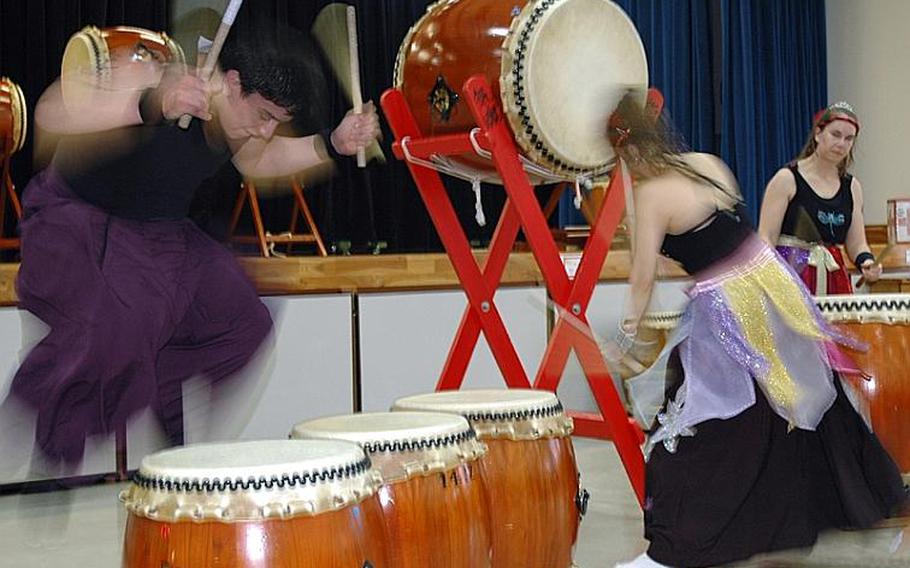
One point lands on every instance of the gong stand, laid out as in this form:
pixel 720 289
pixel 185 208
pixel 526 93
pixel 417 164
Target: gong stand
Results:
pixel 521 211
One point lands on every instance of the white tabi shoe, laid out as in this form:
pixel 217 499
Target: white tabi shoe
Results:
pixel 643 561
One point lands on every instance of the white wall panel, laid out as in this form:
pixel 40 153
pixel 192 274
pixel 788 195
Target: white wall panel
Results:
pixel 405 339
pixel 20 331
pixel 306 371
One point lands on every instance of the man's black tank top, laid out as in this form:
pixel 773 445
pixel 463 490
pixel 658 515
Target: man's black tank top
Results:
pixel 140 172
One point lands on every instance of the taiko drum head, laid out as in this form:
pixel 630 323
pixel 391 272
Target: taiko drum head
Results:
pixel 498 413
pixel 562 67
pixel 93 57
pixel 401 445
pixel 237 481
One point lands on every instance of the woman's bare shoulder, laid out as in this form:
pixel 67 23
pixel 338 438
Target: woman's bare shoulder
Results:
pixel 707 163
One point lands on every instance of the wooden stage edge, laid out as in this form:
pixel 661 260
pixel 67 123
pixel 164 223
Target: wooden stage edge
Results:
pixel 403 272
pixel 375 273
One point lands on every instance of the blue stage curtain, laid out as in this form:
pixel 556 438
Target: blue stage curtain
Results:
pixel 741 79
pixel 773 79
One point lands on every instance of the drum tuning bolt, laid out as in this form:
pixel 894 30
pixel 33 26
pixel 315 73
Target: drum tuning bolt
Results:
pixel 581 501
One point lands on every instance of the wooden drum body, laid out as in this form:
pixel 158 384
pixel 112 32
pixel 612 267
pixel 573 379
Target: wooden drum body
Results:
pixel 529 471
pixel 561 66
pixel 13 118
pixel 433 498
pixel 883 322
pixel 275 504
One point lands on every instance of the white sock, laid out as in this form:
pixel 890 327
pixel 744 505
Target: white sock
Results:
pixel 643 561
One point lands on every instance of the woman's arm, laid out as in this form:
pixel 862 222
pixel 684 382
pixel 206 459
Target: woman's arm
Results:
pixel 778 194
pixel 856 242
pixel 654 204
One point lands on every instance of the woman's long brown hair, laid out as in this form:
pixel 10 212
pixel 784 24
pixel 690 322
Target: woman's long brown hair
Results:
pixel 655 141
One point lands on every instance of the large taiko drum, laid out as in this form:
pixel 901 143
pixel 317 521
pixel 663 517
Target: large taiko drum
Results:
pixel 275 504
pixel 529 471
pixel 433 498
pixel 13 118
pixel 883 322
pixel 96 58
pixel 561 66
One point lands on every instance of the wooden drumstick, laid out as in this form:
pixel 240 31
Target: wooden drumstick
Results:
pixel 226 22
pixel 356 95
pixel 575 322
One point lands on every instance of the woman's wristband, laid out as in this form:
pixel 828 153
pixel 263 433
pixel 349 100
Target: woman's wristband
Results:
pixel 863 257
pixel 624 339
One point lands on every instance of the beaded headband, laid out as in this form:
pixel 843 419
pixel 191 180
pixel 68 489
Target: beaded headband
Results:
pixel 840 110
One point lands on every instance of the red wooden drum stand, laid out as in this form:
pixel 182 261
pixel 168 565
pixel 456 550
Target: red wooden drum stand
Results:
pixel 521 211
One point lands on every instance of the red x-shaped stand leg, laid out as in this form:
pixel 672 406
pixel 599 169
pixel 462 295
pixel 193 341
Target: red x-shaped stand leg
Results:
pixel 481 313
pixel 522 211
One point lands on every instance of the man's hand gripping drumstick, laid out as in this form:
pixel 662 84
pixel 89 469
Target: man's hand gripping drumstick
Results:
pixel 335 31
pixel 211 59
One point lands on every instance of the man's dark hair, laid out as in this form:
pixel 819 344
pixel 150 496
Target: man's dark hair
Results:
pixel 281 65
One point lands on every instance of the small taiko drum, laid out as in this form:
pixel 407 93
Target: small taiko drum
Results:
pixel 96 58
pixel 275 504
pixel 529 471
pixel 13 118
pixel 433 499
pixel 882 321
pixel 562 66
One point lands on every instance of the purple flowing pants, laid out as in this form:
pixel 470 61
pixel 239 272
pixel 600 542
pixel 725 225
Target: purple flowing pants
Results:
pixel 134 308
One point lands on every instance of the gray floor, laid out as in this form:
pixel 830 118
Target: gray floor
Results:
pixel 84 527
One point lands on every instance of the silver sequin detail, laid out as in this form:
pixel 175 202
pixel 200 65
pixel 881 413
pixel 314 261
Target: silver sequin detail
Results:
pixel 670 430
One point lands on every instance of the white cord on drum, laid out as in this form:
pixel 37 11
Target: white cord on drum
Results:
pixel 447 166
pixel 478 204
pixel 545 175
pixel 581 182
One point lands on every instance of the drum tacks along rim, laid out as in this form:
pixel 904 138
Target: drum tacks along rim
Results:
pixel 401 445
pixel 247 481
pixel 878 308
pixel 517 414
pixel 532 68
pixel 88 41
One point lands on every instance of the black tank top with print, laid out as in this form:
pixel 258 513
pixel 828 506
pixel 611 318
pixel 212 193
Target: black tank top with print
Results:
pixel 815 219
